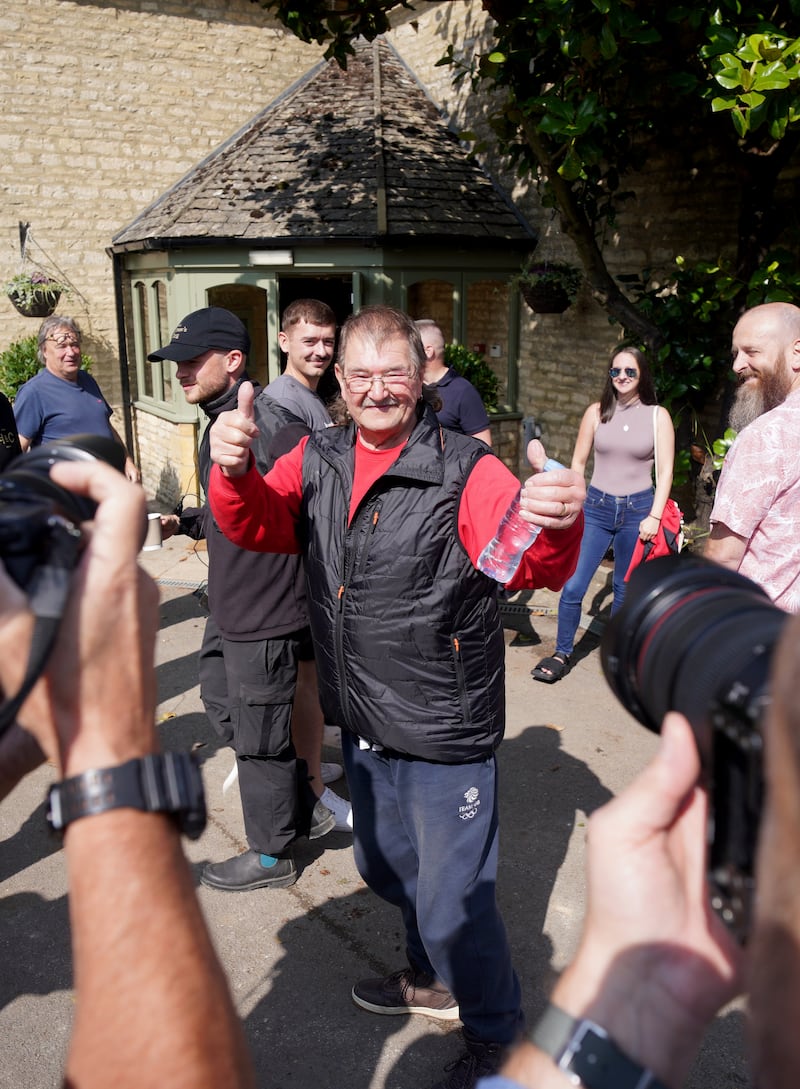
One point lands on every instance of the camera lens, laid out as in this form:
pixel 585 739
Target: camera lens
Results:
pixel 688 633
pixel 697 638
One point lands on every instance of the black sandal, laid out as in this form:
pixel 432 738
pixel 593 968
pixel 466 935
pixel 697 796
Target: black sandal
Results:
pixel 552 669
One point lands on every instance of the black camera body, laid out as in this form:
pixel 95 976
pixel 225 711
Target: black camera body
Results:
pixel 39 520
pixel 698 638
pixel 40 541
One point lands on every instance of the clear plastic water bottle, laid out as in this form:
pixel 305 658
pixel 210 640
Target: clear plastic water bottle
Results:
pixel 503 554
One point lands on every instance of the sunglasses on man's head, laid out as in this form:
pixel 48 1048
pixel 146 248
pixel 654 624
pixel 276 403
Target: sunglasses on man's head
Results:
pixel 631 372
pixel 65 341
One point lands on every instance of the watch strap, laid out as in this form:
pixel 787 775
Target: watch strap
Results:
pixel 158 783
pixel 587 1055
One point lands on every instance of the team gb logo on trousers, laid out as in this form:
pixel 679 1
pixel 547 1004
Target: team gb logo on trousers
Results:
pixel 472 798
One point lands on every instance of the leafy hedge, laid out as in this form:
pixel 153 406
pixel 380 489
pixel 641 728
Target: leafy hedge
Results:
pixel 476 370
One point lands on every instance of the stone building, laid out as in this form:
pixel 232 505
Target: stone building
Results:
pixel 108 104
pixel 349 188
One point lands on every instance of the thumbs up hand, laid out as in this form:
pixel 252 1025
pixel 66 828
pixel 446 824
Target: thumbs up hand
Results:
pixel 233 432
pixel 536 455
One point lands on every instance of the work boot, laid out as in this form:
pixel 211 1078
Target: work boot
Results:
pixel 252 870
pixel 406 991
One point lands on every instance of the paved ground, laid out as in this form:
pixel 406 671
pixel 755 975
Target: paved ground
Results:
pixel 293 954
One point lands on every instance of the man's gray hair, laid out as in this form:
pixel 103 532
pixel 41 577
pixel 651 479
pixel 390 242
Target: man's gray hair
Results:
pixel 377 324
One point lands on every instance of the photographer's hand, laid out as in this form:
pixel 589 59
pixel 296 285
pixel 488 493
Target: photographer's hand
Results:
pixel 153 1006
pixel 105 646
pixel 654 964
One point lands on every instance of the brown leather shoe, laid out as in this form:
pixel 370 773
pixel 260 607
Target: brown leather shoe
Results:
pixel 406 991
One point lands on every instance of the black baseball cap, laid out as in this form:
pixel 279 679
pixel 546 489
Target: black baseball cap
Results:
pixel 202 330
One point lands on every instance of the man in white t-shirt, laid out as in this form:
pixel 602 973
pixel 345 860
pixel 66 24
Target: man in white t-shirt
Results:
pixel 754 519
pixel 308 337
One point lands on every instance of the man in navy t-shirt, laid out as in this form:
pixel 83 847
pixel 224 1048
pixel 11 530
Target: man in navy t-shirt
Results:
pixel 63 400
pixel 462 408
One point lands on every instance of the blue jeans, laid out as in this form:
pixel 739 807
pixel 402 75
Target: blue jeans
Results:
pixel 608 519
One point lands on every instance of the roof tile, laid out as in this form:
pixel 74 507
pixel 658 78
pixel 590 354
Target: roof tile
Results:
pixel 354 154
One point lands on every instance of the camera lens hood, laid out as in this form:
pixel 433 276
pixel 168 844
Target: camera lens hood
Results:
pixel 685 624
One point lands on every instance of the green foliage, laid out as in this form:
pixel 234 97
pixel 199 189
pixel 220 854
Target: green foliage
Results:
pixel 337 22
pixel 720 447
pixel 19 362
pixel 476 370
pixel 777 279
pixel 584 84
pixel 554 273
pixel 27 287
pixel 760 77
pixel 682 469
pixel 695 309
pixel 694 312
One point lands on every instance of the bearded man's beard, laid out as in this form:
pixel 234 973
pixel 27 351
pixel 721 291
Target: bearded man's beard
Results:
pixel 753 401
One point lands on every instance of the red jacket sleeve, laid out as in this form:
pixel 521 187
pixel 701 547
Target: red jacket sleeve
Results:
pixel 552 557
pixel 261 513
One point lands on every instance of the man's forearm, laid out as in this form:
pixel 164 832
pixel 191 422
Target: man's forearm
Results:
pixel 725 547
pixel 155 987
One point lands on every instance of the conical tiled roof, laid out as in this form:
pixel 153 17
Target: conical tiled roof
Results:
pixel 360 155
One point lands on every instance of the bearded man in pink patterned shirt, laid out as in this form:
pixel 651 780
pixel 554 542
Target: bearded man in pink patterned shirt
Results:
pixel 754 523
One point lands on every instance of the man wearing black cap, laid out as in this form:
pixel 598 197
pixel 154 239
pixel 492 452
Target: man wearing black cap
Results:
pixel 258 627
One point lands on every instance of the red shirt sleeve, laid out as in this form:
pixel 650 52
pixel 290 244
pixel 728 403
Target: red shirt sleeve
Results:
pixel 487 494
pixel 261 513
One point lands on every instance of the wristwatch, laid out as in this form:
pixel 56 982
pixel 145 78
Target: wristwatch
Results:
pixel 159 783
pixel 587 1055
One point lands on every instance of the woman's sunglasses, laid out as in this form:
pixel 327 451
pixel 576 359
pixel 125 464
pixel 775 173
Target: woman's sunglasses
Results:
pixel 631 372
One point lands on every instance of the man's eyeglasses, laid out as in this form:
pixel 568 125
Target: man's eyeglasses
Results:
pixel 392 380
pixel 631 372
pixel 64 341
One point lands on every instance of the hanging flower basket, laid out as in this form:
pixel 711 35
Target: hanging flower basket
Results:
pixel 34 295
pixel 38 305
pixel 549 288
pixel 545 298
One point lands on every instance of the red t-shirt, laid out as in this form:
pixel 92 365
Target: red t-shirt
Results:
pixel 262 513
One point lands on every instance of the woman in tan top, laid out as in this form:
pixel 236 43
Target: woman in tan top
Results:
pixel 621 504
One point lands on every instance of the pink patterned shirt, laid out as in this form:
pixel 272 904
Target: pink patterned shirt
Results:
pixel 758 498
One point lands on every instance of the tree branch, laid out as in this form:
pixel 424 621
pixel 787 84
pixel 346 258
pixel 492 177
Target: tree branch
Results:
pixel 575 223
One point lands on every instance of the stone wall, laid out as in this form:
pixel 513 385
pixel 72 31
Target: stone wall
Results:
pixel 106 105
pixel 177 450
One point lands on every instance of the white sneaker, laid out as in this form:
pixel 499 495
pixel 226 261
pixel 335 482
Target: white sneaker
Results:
pixel 233 775
pixel 340 808
pixel 331 772
pixel 332 735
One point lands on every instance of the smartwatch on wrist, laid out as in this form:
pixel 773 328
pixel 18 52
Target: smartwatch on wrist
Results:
pixel 587 1055
pixel 168 783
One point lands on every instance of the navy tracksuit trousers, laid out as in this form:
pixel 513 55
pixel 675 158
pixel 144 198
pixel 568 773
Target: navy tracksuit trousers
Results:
pixel 426 839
